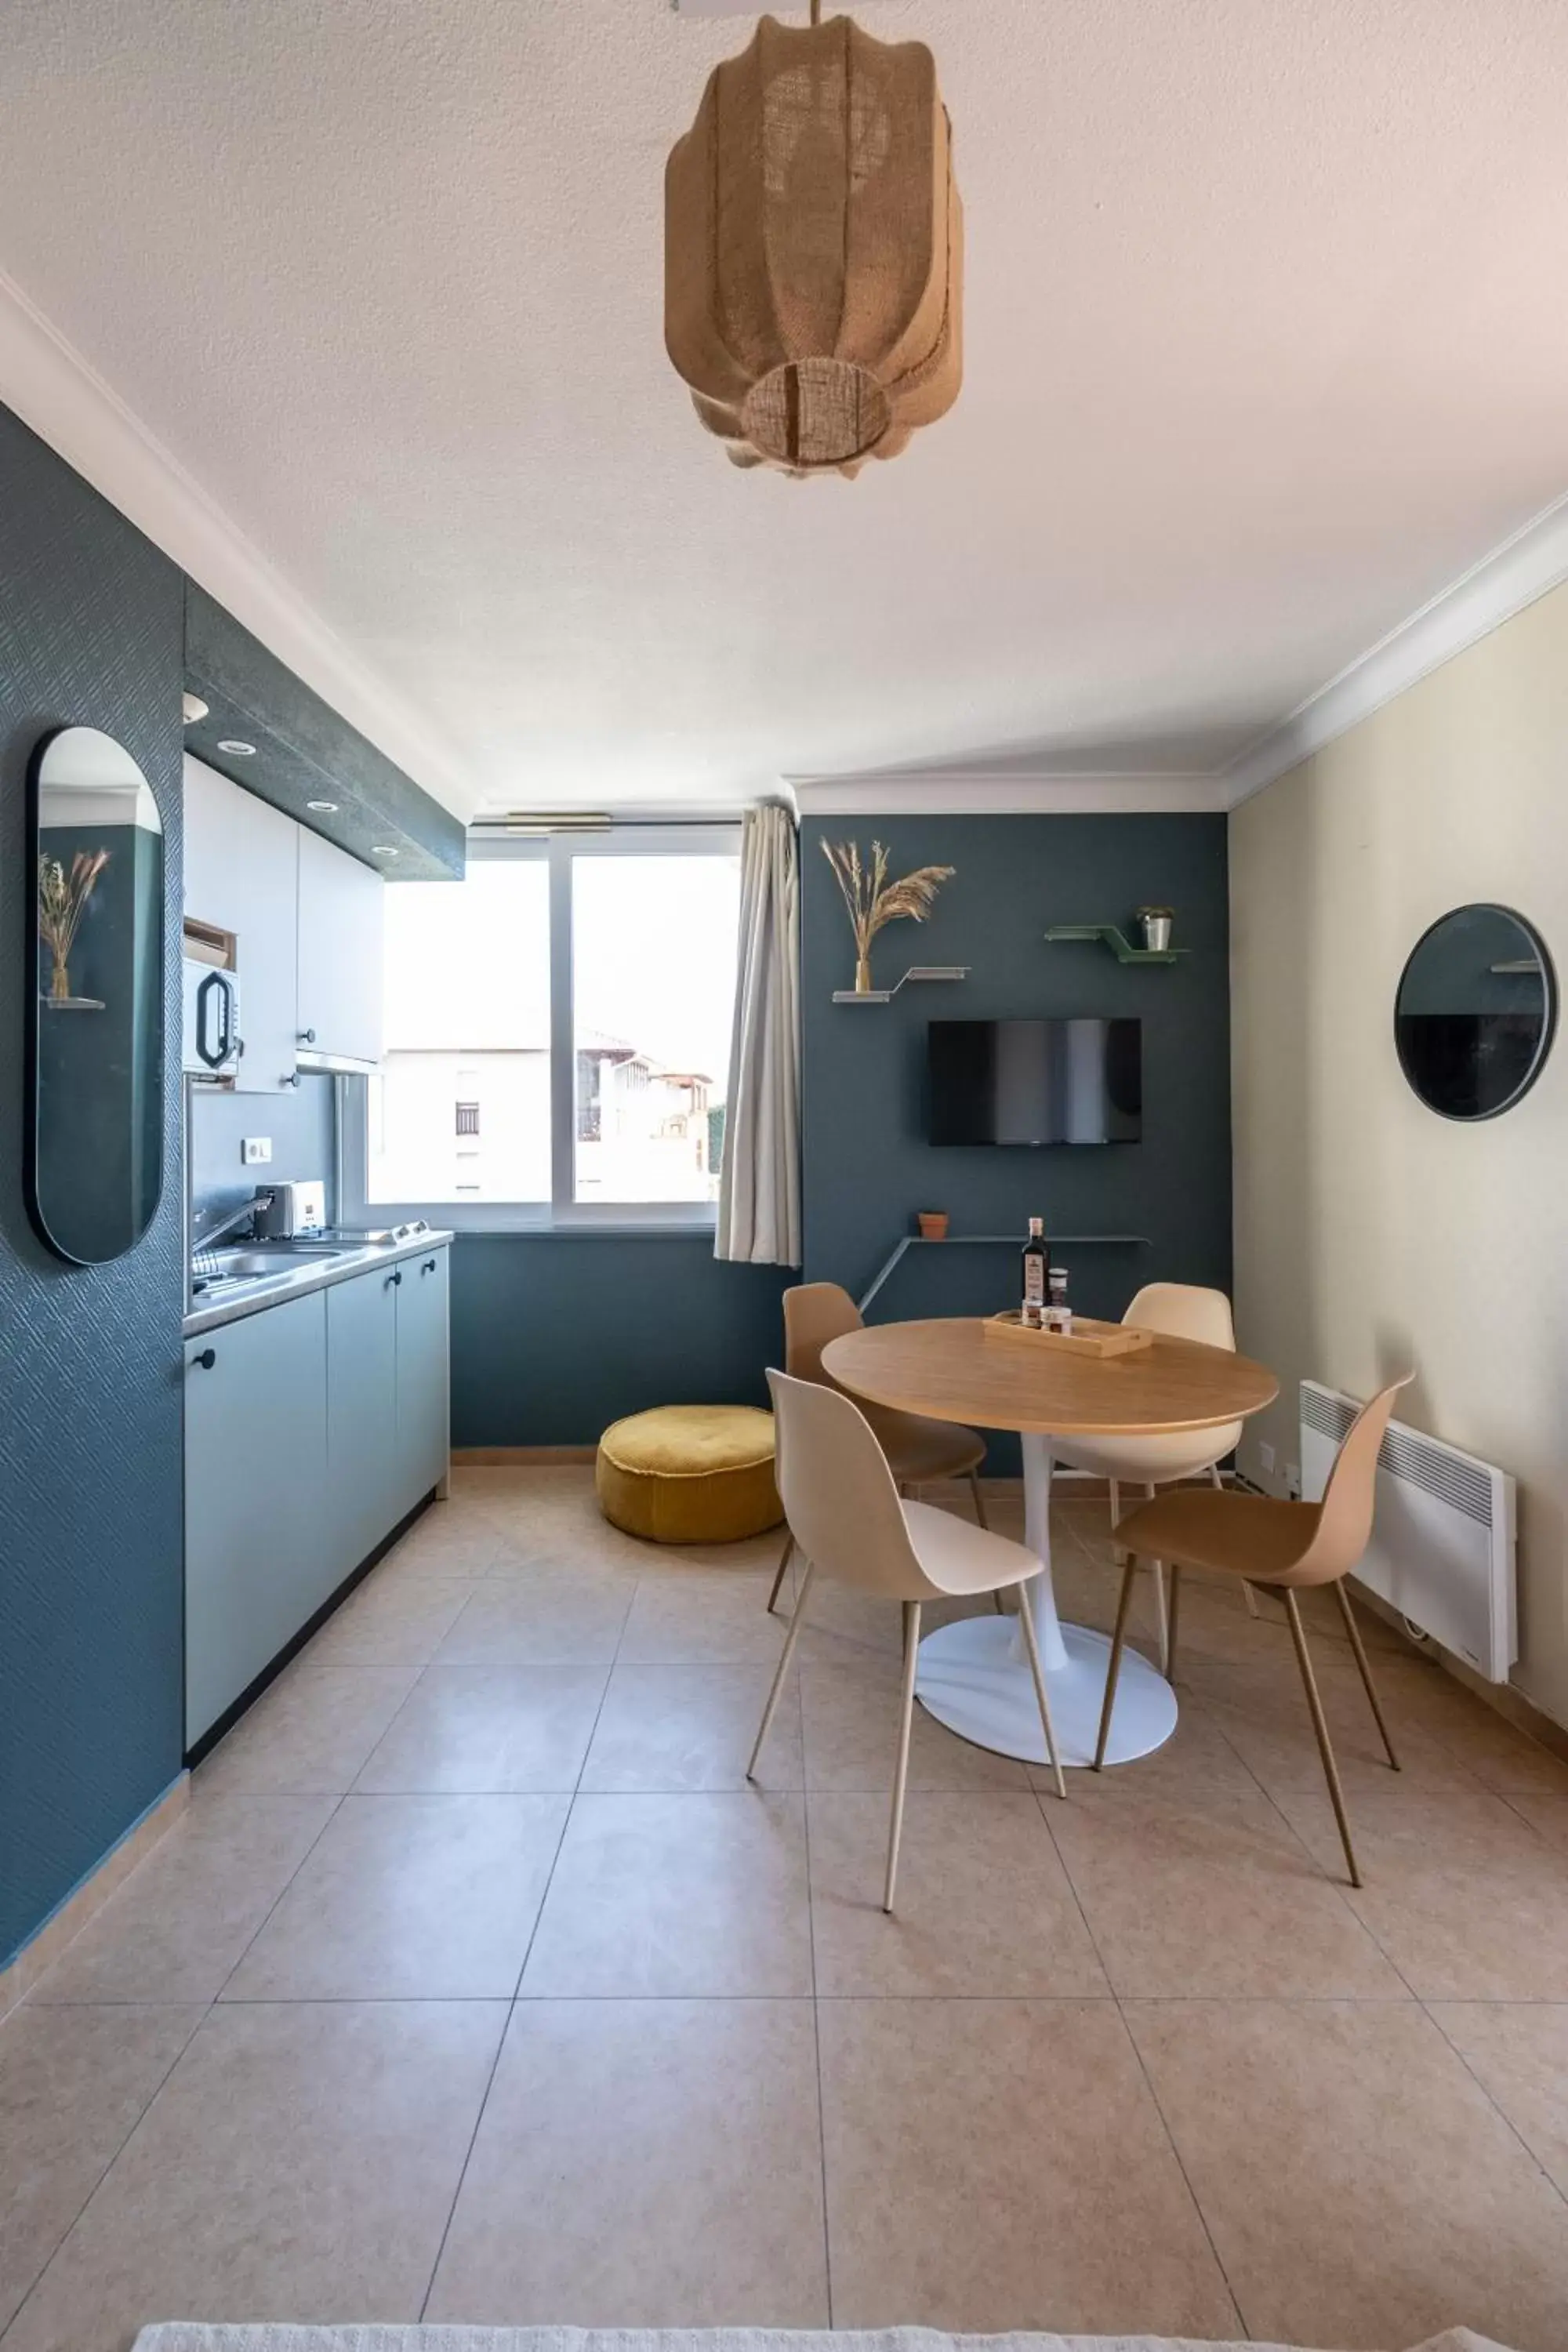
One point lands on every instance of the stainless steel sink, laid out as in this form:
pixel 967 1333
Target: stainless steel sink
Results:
pixel 223 1272
pixel 279 1257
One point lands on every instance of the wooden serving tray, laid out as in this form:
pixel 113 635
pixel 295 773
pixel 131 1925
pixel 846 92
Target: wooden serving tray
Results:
pixel 1088 1339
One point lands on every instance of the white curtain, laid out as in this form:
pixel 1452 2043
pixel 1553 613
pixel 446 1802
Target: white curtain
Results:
pixel 759 1188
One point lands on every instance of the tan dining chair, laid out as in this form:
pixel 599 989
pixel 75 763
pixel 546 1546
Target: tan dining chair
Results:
pixel 1282 1546
pixel 1177 1310
pixel 853 1527
pixel 920 1452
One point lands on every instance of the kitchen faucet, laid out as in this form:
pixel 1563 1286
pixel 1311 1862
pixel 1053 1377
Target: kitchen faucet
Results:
pixel 227 1224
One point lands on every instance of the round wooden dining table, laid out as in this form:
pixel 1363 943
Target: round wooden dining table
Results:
pixel 973 1675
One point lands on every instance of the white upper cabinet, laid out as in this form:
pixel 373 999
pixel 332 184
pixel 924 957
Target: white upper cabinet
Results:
pixel 341 927
pixel 308 921
pixel 242 873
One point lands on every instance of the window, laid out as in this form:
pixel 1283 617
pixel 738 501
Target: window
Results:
pixel 653 962
pixel 468 1020
pixel 557 1034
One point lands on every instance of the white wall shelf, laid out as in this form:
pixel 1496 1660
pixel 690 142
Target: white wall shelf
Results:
pixel 886 995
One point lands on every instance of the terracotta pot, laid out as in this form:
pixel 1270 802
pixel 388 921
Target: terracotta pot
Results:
pixel 933 1224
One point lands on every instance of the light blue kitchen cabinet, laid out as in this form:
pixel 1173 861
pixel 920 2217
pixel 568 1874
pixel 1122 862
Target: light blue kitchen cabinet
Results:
pixel 256 1485
pixel 311 1428
pixel 424 1410
pixel 362 1419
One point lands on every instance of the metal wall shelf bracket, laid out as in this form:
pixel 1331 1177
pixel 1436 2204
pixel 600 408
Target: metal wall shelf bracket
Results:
pixel 1116 940
pixel 915 971
pixel 957 1240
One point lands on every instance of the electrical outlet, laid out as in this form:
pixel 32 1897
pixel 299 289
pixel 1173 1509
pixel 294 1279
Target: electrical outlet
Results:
pixel 1266 1460
pixel 255 1151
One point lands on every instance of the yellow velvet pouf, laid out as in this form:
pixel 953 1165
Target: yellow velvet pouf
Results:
pixel 689 1474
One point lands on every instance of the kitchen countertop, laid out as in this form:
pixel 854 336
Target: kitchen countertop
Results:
pixel 310 1273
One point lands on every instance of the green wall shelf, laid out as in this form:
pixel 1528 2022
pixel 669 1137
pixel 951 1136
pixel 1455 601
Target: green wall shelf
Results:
pixel 1116 940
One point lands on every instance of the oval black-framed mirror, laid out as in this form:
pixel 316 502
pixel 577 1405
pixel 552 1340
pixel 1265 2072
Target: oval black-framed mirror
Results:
pixel 94 1161
pixel 1476 1012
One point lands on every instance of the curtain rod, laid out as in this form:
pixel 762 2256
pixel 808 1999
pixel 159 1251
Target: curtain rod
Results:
pixel 564 822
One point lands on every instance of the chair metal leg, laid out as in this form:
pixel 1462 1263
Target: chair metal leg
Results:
pixel 1365 1663
pixel 783 1571
pixel 1247 1593
pixel 911 1631
pixel 901 1777
pixel 1031 1643
pixel 1319 1725
pixel 1114 1487
pixel 790 1638
pixel 1171 1615
pixel 1117 1643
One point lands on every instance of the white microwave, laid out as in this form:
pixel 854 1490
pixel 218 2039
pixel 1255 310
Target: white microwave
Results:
pixel 211 1045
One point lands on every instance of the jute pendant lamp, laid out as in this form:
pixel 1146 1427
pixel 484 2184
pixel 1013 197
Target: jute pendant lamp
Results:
pixel 814 244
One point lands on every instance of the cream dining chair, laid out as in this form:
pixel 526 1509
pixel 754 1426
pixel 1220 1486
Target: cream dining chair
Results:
pixel 1284 1547
pixel 845 1514
pixel 1177 1310
pixel 920 1452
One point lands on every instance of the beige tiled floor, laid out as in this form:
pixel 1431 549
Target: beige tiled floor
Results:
pixel 476 1980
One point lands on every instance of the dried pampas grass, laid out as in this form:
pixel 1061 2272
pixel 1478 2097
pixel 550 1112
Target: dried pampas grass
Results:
pixel 872 900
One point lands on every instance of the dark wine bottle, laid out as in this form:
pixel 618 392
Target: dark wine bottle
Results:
pixel 1036 1273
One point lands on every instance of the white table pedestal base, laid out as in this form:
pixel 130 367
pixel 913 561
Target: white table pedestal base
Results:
pixel 974 1677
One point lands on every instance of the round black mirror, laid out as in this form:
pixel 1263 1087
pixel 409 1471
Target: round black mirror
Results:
pixel 95 1024
pixel 1476 1011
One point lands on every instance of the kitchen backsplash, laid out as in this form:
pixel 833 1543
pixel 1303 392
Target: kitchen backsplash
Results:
pixel 301 1123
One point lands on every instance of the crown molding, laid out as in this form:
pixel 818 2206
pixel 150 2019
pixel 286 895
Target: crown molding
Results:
pixel 1525 567
pixel 54 391
pixel 973 792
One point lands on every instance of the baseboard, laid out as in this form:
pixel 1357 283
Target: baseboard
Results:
pixel 1501 1697
pixel 62 1925
pixel 537 1457
pixel 544 1457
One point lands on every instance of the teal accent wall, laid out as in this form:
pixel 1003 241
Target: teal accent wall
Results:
pixel 868 1166
pixel 91 625
pixel 555 1335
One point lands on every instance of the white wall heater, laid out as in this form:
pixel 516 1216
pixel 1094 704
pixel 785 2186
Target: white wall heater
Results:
pixel 1442 1548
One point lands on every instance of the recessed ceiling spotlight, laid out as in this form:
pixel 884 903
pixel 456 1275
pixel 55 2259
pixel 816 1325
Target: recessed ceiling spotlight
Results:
pixel 235 748
pixel 381 849
pixel 195 709
pixel 323 808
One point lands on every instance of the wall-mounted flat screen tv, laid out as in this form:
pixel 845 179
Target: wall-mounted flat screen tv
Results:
pixel 1034 1081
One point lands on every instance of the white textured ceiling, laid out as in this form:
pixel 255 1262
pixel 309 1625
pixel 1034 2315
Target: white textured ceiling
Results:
pixel 1267 339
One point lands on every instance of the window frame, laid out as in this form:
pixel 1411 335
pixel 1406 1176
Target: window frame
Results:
pixel 562 1213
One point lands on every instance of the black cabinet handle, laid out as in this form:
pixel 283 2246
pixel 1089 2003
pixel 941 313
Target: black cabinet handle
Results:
pixel 205 1360
pixel 392 1280
pixel 428 1266
pixel 306 1036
